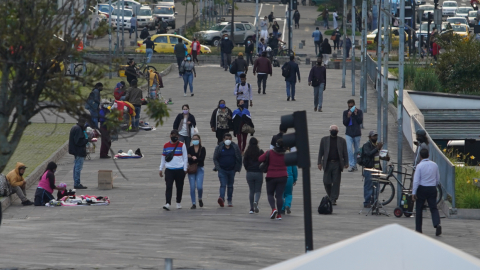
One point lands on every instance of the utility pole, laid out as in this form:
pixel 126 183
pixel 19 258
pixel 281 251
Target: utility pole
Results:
pixel 84 38
pixel 118 28
pixel 289 19
pixel 379 69
pixel 353 47
pixel 232 33
pixel 109 39
pixel 256 26
pixel 363 87
pixel 344 68
pixel 401 59
pixel 123 27
pixel 386 51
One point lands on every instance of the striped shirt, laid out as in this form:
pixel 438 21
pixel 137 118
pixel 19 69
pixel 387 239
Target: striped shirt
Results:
pixel 180 157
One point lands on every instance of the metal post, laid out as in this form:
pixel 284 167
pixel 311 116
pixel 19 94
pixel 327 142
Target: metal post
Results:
pixel 353 47
pixel 232 37
pixel 72 35
pixel 137 9
pixel 401 63
pixel 168 264
pixel 118 29
pixel 386 51
pixel 379 69
pixel 307 209
pixel 109 39
pixel 123 27
pixel 84 39
pixel 289 21
pixel 256 26
pixel 363 87
pixel 344 68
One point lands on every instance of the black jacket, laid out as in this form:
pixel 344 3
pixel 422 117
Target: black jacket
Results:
pixel 252 165
pixel 250 48
pixel 200 156
pixel 326 48
pixel 369 152
pixel 144 34
pixel 191 118
pixel 239 121
pixel 131 73
pixel 226 46
pixel 213 119
pixel 354 130
pixel 77 141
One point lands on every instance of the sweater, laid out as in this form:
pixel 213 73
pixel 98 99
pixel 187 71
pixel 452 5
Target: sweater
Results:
pixel 47 182
pixel 292 173
pixel 276 164
pixel 200 156
pixel 227 46
pixel 180 157
pixel 318 72
pixel 134 96
pixel 238 156
pixel 252 164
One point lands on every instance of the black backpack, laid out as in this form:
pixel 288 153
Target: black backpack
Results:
pixel 233 67
pixel 360 157
pixel 325 207
pixel 286 70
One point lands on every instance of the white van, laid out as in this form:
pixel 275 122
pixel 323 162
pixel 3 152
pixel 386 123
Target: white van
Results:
pixel 145 18
pixel 117 16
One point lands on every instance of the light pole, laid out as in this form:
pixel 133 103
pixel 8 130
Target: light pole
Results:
pixel 344 62
pixel 400 97
pixel 353 47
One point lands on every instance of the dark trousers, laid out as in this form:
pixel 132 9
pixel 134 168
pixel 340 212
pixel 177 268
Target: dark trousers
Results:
pixel 219 134
pixel 194 55
pixel 227 60
pixel 242 140
pixel 42 197
pixel 275 189
pixel 249 58
pixel 336 43
pixel 428 194
pixel 317 47
pixel 106 141
pixel 297 24
pixel 177 176
pixel 179 63
pixel 332 176
pixel 262 79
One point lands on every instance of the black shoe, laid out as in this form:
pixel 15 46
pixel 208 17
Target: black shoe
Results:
pixel 106 157
pixel 259 91
pixel 200 202
pixel 439 230
pixel 27 202
pixel 80 187
pixel 192 95
pixel 334 202
pixel 288 98
pixel 293 99
pixel 264 93
pixel 193 206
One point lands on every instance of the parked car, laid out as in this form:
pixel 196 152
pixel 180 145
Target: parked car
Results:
pixel 105 8
pixel 145 18
pixel 166 13
pixel 463 11
pixel 164 43
pixel 128 3
pixel 117 16
pixel 243 30
pixel 449 8
pixel 166 3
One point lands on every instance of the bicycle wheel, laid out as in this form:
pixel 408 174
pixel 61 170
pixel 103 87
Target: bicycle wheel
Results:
pixel 387 192
pixel 79 70
pixel 146 69
pixel 286 52
pixel 439 194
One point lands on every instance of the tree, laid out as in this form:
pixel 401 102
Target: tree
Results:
pixel 36 39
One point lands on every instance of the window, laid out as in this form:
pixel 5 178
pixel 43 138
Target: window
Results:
pixel 248 26
pixel 228 28
pixel 174 40
pixel 218 27
pixel 127 13
pixel 161 39
pixel 239 27
pixel 164 11
pixel 144 12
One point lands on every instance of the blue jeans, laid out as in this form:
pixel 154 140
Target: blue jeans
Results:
pixel 136 122
pixel 318 95
pixel 149 55
pixel 287 193
pixel 94 118
pixel 187 79
pixel 292 86
pixel 325 23
pixel 367 187
pixel 196 181
pixel 77 169
pixel 153 91
pixel 352 147
pixel 237 77
pixel 227 179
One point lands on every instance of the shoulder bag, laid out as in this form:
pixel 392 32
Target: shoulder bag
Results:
pixel 170 155
pixel 264 165
pixel 247 129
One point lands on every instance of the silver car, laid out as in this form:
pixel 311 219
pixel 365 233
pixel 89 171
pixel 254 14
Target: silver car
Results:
pixel 449 8
pixel 243 30
pixel 472 15
pixel 463 11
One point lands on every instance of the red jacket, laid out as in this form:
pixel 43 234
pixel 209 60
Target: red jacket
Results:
pixel 276 164
pixel 436 48
pixel 262 65
pixel 198 47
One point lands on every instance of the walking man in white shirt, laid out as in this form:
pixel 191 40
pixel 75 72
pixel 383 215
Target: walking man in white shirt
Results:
pixel 426 179
pixel 243 91
pixel 264 28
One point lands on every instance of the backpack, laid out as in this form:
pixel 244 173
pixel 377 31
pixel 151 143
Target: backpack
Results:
pixel 360 157
pixel 286 70
pixel 238 87
pixel 325 207
pixel 233 67
pixel 5 189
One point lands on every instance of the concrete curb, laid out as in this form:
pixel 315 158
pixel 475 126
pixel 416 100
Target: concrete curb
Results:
pixel 36 174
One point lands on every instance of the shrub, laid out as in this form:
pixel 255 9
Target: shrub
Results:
pixel 426 80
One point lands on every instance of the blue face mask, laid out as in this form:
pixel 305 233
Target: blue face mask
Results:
pixel 222 106
pixel 249 42
pixel 195 142
pixel 188 58
pixel 226 37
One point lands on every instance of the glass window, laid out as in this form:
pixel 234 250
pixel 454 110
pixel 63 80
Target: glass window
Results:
pixel 127 13
pixel 248 26
pixel 218 27
pixel 449 4
pixel 472 13
pixel 239 27
pixel 459 28
pixel 161 39
pixel 164 10
pixel 228 28
pixel 144 12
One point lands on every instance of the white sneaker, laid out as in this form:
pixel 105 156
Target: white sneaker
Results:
pixel 167 207
pixel 179 206
pixel 350 169
pixel 184 95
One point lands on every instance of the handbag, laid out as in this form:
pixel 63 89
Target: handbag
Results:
pixel 181 68
pixel 193 131
pixel 170 155
pixel 192 168
pixel 333 37
pixel 264 165
pixel 248 129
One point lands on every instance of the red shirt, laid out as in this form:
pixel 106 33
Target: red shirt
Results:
pixel 436 48
pixel 276 166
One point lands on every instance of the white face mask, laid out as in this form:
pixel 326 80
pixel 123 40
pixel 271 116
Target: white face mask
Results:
pixel 228 142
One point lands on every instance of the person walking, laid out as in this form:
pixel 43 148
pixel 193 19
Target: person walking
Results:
pixel 317 39
pixel 291 79
pixel 348 45
pixel 275 28
pixel 249 48
pixel 292 172
pixel 134 96
pixel 335 16
pixel 93 104
pixel 254 173
pixel 181 52
pixel 196 171
pixel 332 158
pixel 133 25
pixel 270 20
pixel 276 178
pixel 325 18
pixel 241 117
pixel 227 47
pixel 175 163
pixel 104 132
pixel 425 182
pixel 221 120
pixel 353 120
pixel 296 18
pixel 241 67
pixel 371 160
pixel 184 122
pixel 228 161
pixel 336 39
pixel 261 47
pixel 318 79
pixel 150 47
pixel 326 50
pixel 243 91
pixel 195 49
pixel 77 142
pixel 264 28
pixel 263 67
pixel 188 74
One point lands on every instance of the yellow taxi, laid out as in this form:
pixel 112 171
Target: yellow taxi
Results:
pixel 394 36
pixel 461 29
pixel 164 43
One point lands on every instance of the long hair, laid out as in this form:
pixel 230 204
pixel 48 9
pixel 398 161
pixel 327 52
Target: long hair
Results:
pixel 200 139
pixel 52 166
pixel 253 151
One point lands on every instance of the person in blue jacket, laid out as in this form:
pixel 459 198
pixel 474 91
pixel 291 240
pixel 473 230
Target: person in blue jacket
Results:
pixel 288 193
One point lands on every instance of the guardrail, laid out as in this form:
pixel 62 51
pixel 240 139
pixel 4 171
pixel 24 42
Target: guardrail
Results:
pixel 371 69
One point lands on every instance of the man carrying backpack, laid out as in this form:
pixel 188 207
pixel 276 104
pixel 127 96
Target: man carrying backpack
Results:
pixel 93 104
pixel 239 66
pixel 291 71
pixel 243 91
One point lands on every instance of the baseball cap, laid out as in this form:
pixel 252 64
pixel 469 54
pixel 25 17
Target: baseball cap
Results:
pixel 372 133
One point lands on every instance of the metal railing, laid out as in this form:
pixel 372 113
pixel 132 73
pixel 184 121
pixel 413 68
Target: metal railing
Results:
pixel 446 167
pixel 371 68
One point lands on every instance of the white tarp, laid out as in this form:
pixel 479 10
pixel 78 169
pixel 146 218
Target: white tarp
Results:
pixel 389 247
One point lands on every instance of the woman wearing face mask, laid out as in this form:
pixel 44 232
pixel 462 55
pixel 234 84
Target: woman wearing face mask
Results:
pixel 241 117
pixel 188 74
pixel 275 28
pixel 276 177
pixel 254 173
pixel 184 124
pixel 221 120
pixel 45 188
pixel 249 47
pixel 196 155
pixel 336 40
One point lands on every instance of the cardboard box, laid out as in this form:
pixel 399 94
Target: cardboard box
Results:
pixel 105 179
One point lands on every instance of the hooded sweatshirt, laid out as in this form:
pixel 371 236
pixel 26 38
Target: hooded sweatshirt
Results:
pixel 14 177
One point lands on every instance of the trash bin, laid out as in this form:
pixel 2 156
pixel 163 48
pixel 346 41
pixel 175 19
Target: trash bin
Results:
pixel 121 70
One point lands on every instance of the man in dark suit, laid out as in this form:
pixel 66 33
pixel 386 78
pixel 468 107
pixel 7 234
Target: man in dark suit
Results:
pixel 291 79
pixel 332 157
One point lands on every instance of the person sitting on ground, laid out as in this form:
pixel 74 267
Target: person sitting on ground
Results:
pixel 18 183
pixel 46 186
pixel 120 91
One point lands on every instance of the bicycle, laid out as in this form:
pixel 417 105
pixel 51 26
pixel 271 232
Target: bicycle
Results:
pixel 78 69
pixel 143 68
